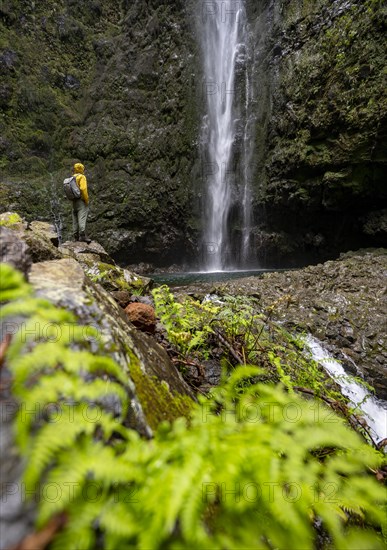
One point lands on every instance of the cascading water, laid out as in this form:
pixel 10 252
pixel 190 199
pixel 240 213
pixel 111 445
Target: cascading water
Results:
pixel 375 410
pixel 222 34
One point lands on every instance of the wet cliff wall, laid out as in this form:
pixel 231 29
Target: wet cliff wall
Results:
pixel 321 127
pixel 109 83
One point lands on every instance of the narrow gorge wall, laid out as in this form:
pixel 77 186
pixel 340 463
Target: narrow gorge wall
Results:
pixel 321 127
pixel 111 84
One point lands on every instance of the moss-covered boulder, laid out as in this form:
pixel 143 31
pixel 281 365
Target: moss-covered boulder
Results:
pixel 158 390
pixel 102 269
pixel 87 375
pixel 41 237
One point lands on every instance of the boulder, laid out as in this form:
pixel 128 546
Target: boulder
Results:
pixel 14 251
pixel 42 240
pixel 158 392
pixel 102 269
pixel 142 316
pixel 41 237
pixel 85 251
pixel 46 231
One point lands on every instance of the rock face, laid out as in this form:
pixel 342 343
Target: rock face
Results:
pixel 320 116
pixel 115 88
pixel 343 303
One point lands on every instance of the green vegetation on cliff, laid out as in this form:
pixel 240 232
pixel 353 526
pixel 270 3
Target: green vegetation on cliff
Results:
pixel 118 86
pixel 320 150
pixel 108 83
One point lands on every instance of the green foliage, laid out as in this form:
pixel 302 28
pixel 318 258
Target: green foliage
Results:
pixel 11 220
pixel 244 334
pixel 97 277
pixel 13 285
pixel 187 324
pixel 226 481
pixel 253 469
pixel 191 325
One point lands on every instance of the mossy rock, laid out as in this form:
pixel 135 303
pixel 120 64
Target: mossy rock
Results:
pixel 11 220
pixel 156 389
pixel 151 390
pixel 39 236
pixel 113 277
pixel 101 268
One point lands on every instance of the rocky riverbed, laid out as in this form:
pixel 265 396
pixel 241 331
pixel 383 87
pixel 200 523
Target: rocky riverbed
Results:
pixel 342 302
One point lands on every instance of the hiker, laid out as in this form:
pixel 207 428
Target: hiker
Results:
pixel 81 205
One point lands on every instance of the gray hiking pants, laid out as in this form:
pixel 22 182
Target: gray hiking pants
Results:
pixel 80 212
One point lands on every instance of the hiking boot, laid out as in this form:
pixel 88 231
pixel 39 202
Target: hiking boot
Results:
pixel 83 238
pixel 76 236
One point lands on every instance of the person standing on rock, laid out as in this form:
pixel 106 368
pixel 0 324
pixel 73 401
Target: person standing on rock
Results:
pixel 81 205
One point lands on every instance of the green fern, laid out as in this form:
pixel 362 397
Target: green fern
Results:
pixel 13 285
pixel 189 486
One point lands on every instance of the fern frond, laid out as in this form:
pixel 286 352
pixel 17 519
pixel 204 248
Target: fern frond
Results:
pixel 44 402
pixel 13 285
pixel 54 437
pixel 79 533
pixel 50 355
pixel 117 520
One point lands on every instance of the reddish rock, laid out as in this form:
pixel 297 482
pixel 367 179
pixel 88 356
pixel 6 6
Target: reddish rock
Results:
pixel 142 316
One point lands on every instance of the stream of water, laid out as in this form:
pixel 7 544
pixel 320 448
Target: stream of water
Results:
pixel 375 410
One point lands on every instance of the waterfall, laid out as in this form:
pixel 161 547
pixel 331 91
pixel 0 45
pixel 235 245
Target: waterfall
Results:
pixel 375 410
pixel 222 37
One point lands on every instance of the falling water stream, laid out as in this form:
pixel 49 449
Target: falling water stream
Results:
pixel 222 37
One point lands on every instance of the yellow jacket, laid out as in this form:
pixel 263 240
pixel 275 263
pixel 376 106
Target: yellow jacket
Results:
pixel 81 181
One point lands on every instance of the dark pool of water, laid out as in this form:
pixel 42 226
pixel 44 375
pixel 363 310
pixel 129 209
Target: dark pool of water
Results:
pixel 182 279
